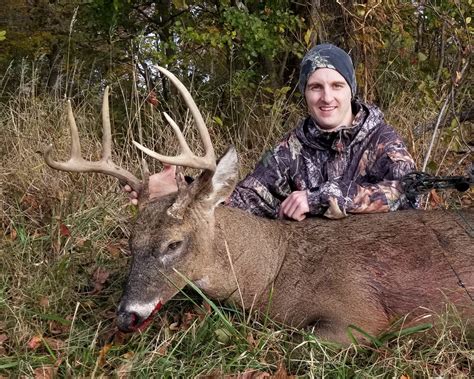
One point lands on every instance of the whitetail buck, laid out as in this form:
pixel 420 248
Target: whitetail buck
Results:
pixel 364 270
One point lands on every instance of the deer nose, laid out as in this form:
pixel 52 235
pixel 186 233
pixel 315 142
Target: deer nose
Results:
pixel 128 321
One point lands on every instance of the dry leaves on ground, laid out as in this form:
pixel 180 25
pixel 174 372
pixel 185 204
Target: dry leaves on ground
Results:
pixel 99 278
pixel 101 359
pixel 45 372
pixel 37 341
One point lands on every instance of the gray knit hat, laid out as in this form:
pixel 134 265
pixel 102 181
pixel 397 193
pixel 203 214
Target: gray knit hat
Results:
pixel 327 56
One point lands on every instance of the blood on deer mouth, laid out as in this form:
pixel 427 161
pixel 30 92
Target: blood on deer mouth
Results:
pixel 136 326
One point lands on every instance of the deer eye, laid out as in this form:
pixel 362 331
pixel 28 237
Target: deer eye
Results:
pixel 171 253
pixel 173 246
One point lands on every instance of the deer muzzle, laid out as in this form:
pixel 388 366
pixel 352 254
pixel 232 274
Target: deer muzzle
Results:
pixel 129 320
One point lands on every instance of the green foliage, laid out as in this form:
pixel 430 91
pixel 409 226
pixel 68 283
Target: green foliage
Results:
pixel 263 34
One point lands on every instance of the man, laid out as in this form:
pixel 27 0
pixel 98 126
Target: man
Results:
pixel 342 158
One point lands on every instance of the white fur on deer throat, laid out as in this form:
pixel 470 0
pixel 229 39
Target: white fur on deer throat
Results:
pixel 143 310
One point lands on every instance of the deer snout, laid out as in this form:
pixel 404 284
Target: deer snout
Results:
pixel 133 318
pixel 128 321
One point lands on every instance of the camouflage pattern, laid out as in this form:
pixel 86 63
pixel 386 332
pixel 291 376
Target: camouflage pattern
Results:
pixel 356 169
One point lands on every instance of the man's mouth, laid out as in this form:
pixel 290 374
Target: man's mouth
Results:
pixel 327 108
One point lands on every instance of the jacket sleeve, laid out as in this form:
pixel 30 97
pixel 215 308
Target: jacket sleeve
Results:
pixel 262 191
pixel 382 195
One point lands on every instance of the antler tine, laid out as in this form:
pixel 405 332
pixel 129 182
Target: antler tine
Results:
pixel 186 157
pixel 182 141
pixel 105 165
pixel 75 146
pixel 106 132
pixel 75 141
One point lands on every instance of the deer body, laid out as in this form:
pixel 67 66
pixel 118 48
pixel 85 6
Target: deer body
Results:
pixel 365 270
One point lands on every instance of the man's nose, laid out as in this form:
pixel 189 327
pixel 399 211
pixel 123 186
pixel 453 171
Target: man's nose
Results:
pixel 327 95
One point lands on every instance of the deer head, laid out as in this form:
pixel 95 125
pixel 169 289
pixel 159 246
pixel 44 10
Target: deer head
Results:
pixel 173 232
pixel 172 239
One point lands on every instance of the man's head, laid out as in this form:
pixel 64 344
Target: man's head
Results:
pixel 327 80
pixel 327 56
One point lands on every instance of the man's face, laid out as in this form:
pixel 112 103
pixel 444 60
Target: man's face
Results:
pixel 328 97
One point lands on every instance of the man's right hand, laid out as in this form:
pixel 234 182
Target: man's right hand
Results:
pixel 160 184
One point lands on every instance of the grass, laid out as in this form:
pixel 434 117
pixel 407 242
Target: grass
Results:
pixel 64 259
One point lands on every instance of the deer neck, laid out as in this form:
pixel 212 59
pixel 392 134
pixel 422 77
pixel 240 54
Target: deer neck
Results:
pixel 250 251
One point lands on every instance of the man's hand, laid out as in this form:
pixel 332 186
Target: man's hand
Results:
pixel 295 206
pixel 159 185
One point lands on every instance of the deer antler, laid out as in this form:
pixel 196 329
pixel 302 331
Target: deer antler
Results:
pixel 105 165
pixel 186 158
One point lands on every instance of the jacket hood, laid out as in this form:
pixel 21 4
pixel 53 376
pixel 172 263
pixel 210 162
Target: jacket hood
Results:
pixel 367 118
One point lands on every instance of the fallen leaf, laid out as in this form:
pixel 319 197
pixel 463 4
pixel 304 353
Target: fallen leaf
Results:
pixel 99 278
pixel 3 338
pixel 64 230
pixel 34 342
pixel 281 372
pixel 405 376
pixel 30 201
pixel 114 250
pixel 101 359
pixel 249 374
pixel 44 301
pixel 54 343
pixel 45 372
pixel 251 340
pixel 163 349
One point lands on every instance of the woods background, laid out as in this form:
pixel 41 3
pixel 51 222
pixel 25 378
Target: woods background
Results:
pixel 242 58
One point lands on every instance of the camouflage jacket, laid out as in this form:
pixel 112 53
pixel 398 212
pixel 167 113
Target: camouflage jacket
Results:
pixel 351 170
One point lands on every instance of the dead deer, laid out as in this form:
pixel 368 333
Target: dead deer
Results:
pixel 365 270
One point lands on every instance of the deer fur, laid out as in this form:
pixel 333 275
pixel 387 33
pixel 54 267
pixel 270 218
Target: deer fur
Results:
pixel 363 270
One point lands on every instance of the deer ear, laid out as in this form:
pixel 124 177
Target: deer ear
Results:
pixel 223 180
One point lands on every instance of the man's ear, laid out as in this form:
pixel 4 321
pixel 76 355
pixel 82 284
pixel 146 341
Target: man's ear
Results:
pixel 223 180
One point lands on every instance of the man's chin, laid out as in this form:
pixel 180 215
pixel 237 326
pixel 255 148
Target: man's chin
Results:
pixel 325 123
